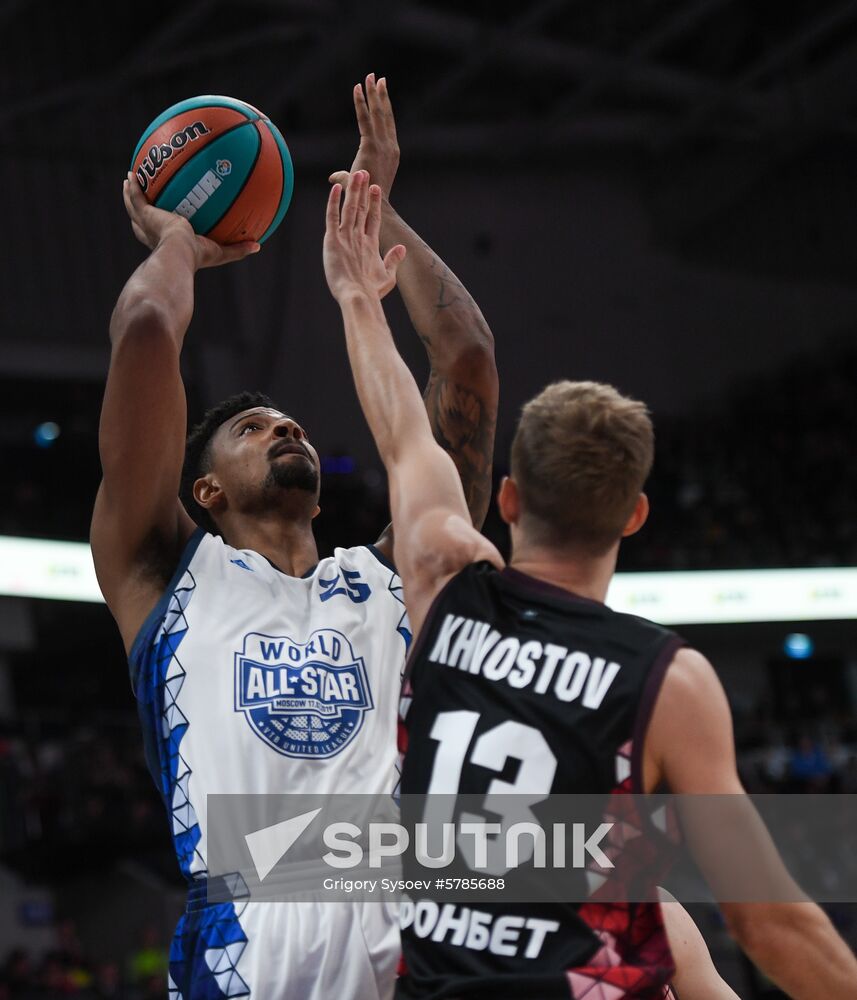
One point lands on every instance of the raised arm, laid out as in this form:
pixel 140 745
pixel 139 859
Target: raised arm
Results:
pixel 461 394
pixel 434 537
pixel 139 527
pixel 690 746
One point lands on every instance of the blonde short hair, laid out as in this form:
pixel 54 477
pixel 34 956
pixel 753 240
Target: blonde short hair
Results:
pixel 580 457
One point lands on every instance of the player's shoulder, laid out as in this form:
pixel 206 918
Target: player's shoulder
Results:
pixel 565 602
pixel 209 551
pixel 365 557
pixel 481 570
pixel 197 547
pixel 205 543
pixel 475 581
pixel 643 632
pixel 691 676
pixel 364 575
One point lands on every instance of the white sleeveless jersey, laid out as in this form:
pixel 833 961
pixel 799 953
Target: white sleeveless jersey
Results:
pixel 252 681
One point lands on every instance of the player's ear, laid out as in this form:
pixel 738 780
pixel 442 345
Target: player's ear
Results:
pixel 207 492
pixel 509 501
pixel 315 513
pixel 638 517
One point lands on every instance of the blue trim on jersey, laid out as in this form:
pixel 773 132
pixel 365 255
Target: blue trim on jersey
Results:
pixel 273 565
pixel 199 933
pixel 376 552
pixel 394 587
pixel 382 559
pixel 153 621
pixel 152 658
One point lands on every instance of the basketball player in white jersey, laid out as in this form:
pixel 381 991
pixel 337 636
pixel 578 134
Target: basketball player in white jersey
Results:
pixel 579 461
pixel 257 668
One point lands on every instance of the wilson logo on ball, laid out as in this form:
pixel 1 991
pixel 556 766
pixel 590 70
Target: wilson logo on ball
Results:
pixel 159 154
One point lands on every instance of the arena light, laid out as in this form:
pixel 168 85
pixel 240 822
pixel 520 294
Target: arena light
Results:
pixel 46 434
pixel 31 567
pixel 752 595
pixel 35 567
pixel 798 646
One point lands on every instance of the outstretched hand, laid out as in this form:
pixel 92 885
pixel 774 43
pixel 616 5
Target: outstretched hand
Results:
pixel 378 151
pixel 152 225
pixel 352 260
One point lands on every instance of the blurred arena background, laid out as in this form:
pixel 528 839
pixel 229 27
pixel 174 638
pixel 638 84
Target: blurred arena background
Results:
pixel 655 193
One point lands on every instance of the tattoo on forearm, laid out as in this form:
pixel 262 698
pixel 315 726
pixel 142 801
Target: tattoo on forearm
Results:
pixel 462 408
pixel 449 287
pixel 464 427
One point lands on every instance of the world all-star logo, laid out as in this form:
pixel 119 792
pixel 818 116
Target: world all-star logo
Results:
pixel 304 699
pixel 223 167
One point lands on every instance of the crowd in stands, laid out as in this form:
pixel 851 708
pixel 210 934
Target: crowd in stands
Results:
pixel 79 800
pixel 764 477
pixel 802 763
pixel 84 790
pixel 67 971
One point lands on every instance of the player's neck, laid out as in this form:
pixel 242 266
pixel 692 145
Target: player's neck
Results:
pixel 288 544
pixel 584 576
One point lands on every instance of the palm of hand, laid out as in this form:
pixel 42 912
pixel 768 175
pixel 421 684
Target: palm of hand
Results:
pixel 352 263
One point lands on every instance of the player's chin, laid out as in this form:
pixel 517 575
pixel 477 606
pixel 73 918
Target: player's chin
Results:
pixel 303 475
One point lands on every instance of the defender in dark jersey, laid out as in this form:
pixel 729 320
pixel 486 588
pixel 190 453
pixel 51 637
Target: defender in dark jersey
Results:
pixel 513 675
pixel 523 680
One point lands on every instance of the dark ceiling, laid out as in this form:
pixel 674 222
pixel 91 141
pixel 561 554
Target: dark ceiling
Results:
pixel 735 122
pixel 83 77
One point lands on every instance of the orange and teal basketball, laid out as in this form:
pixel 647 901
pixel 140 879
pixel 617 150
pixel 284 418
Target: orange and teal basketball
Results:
pixel 221 164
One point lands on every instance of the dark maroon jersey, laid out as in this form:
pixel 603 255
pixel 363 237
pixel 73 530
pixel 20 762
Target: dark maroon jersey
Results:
pixel 519 686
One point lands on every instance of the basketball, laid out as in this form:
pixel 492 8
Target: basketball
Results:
pixel 221 164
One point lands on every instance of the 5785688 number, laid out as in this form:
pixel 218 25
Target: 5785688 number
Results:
pixel 470 883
